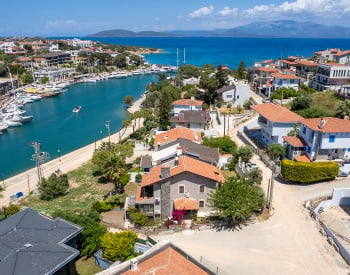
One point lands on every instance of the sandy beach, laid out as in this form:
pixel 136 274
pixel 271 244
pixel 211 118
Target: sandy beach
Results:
pixel 27 181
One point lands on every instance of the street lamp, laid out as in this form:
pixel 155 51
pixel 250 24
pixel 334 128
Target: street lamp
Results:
pixel 101 136
pixel 59 154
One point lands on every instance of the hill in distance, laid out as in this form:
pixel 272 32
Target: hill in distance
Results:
pixel 126 33
pixel 283 29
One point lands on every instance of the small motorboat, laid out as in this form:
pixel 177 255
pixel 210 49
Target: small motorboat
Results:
pixel 76 109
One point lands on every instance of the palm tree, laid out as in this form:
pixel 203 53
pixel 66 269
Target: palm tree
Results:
pixel 114 173
pixel 343 109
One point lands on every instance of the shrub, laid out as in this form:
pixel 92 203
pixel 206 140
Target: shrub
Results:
pixel 139 218
pixel 55 186
pixel 305 172
pixel 101 206
pixel 138 177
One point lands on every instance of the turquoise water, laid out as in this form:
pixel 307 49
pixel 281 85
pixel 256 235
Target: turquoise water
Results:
pixel 57 128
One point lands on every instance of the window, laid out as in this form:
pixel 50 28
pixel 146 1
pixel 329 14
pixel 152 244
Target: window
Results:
pixel 332 138
pixel 201 188
pixel 304 129
pixel 201 204
pixel 309 149
pixel 348 149
pixel 181 189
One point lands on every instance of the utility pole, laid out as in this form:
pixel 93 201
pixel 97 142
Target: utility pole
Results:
pixel 109 133
pixel 271 191
pixel 39 157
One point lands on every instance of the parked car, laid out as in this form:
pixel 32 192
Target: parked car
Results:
pixel 342 174
pixel 266 100
pixel 250 166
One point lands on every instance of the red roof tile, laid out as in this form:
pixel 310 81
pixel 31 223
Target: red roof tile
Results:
pixel 307 63
pixel 285 76
pixel 265 69
pixel 276 113
pixel 343 53
pixel 168 262
pixel 186 204
pixel 186 164
pixel 295 141
pixel 331 124
pixel 288 62
pixel 190 102
pixel 178 132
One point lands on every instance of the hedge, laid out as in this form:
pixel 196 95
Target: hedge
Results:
pixel 308 172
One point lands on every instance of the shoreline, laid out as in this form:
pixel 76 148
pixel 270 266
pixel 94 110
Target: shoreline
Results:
pixel 27 181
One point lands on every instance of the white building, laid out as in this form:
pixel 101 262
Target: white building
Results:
pixel 342 57
pixel 331 76
pixel 275 122
pixel 186 105
pixel 326 138
pixel 285 81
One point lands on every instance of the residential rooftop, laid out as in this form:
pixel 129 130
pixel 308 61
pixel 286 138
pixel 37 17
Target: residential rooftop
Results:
pixel 329 124
pixel 189 102
pixel 178 132
pixel 276 113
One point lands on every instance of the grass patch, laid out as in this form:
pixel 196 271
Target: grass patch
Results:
pixel 130 188
pixel 84 190
pixel 87 266
pixel 325 101
pixel 228 174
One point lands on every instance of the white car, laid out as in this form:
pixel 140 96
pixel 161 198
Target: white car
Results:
pixel 250 166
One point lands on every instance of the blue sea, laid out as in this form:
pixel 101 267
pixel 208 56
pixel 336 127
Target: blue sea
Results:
pixel 57 128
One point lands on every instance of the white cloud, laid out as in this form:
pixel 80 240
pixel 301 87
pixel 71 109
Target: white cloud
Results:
pixel 202 12
pixel 226 11
pixel 326 8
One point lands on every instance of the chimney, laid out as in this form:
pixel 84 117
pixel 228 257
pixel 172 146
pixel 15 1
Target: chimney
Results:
pixel 133 264
pixel 181 117
pixel 179 151
pixel 165 172
pixel 322 122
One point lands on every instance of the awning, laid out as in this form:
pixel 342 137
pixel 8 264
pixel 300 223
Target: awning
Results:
pixel 295 141
pixel 302 158
pixel 186 204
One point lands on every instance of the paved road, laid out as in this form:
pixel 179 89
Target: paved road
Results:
pixel 287 243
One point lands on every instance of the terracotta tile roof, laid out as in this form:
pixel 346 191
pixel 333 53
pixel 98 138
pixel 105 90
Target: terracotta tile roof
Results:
pixel 295 141
pixel 168 261
pixel 271 70
pixel 183 94
pixel 276 113
pixel 343 53
pixel 318 53
pixel 186 204
pixel 24 59
pixel 267 61
pixel 285 76
pixel 334 50
pixel 288 62
pixel 190 102
pixel 186 164
pixel 178 132
pixel 334 64
pixel 303 158
pixel 293 57
pixel 307 63
pixel 331 124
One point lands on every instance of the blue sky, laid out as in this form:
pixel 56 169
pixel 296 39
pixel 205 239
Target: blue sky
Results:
pixel 78 17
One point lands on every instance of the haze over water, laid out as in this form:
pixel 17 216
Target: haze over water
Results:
pixel 57 128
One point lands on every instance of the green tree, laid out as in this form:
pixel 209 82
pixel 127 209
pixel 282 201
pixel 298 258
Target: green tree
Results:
pixel 164 109
pixel 27 78
pixel 343 109
pixel 241 71
pixel 276 151
pixel 118 246
pixel 103 159
pixel 225 144
pixel 301 103
pixel 210 85
pixel 221 76
pixel 188 71
pixel 89 240
pixel 44 80
pixel 311 112
pixel 254 176
pixel 120 60
pixel 245 153
pixel 11 210
pixel 56 185
pixel 128 100
pixel 236 200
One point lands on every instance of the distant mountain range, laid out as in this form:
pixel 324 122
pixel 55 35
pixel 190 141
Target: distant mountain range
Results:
pixel 283 28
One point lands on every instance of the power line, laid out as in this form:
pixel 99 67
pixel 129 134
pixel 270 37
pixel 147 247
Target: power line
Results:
pixel 39 157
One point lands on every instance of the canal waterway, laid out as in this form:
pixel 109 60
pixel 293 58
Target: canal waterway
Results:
pixel 61 131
